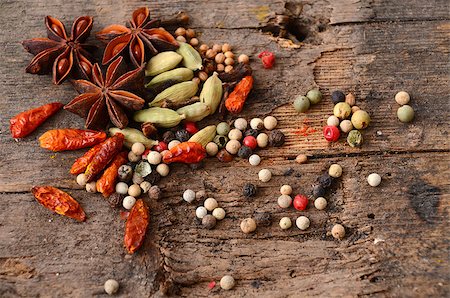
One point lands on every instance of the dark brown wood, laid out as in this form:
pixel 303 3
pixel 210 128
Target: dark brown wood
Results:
pixel 397 241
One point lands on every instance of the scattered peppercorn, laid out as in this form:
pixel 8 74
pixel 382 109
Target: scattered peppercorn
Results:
pixel 254 160
pixel 250 141
pixel 325 180
pixel 301 158
pixel 337 97
pixel 133 157
pixel 360 119
pixel 173 143
pixel 145 186
pixel 302 222
pixel 402 98
pixel 223 128
pixel 331 133
pixel 221 141
pixel 182 135
pixel 300 202
pixel 333 121
pixel 248 225
pixel 251 132
pixel 233 146
pixel 338 231
pixel 285 223
pixel 224 156
pixel 135 190
pixel 168 136
pixel 270 122
pixel 335 170
pixel 301 104
pixel 257 123
pixel 342 110
pixel 138 148
pixel 284 201
pixel 227 282
pixel 346 126
pixel 244 152
pixel 276 138
pixel 154 193
pixel 212 149
pixel 111 286
pixel 190 127
pixel 320 203
pixel 249 190
pixel 209 221
pixel 218 213
pixel 82 179
pixel 350 99
pixel 354 138
pixel 240 124
pixel 263 140
pixel 128 202
pixel 314 96
pixel 137 178
pixel 200 212
pixel 115 199
pixel 189 195
pixel 210 204
pixel 405 113
pixel 374 179
pixel 265 175
pixel 263 219
pixel 286 189
pixel 318 190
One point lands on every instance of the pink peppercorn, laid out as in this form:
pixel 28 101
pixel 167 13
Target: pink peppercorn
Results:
pixel 160 147
pixel 190 127
pixel 250 141
pixel 331 133
pixel 300 202
pixel 267 58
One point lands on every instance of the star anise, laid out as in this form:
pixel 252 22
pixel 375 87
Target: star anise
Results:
pixel 139 35
pixel 105 98
pixel 60 53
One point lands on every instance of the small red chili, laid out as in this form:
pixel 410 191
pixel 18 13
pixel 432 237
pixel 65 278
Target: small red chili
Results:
pixel 160 147
pixel 250 141
pixel 144 155
pixel 300 202
pixel 331 133
pixel 190 127
pixel 267 58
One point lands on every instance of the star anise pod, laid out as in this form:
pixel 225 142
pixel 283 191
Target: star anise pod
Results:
pixel 139 35
pixel 60 53
pixel 106 97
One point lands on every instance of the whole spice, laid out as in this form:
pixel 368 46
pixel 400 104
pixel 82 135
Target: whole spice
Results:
pixel 179 75
pixel 374 179
pixel 284 201
pixel 211 93
pixel 168 136
pixel 145 186
pixel 138 39
pixel 264 175
pixel 191 58
pixel 201 212
pixel 350 99
pixel 137 178
pixel 233 146
pixel 132 136
pixel 263 219
pixel 128 202
pixel 177 93
pixel 251 132
pixel 286 189
pixel 346 126
pixel 133 157
pixel 267 59
pixel 210 204
pixel 301 158
pixel 263 140
pixel 153 158
pixel 125 173
pixel 60 53
pixel 26 122
pixel 248 225
pixel 318 190
pixel 204 136
pixel 235 134
pixel 111 286
pixel 182 135
pixel 240 123
pixel 58 201
pixel 354 138
pixel 172 144
pixel 200 195
pixel 342 110
pixel 195 112
pixel 337 96
pixel 325 180
pixel 134 190
pixel 335 171
pixel 302 222
pixel 187 152
pixel 122 188
pixel 254 160
pixel 224 156
pixel 300 202
pixel 257 123
pixel 115 199
pixel 331 133
pixel 270 122
pixel 223 128
pixel 154 193
pixel 402 98
pixel 81 179
pixel 244 152
pixel 405 114
pixel 79 166
pixel 338 231
pixel 360 119
pixel 276 138
pixel 212 149
pixel 236 99
pixel 219 213
pixel 162 62
pixel 250 141
pixel 209 221
pixel 161 117
pixel 138 148
pixel 243 59
pixel 189 195
pixel 301 104
pixel 190 127
pixel 314 96
pixel 91 187
pixel 136 226
pixel 163 169
pixel 249 190
pixel 106 184
pixel 285 223
pixel 320 203
pixel 333 121
pixel 227 282
pixel 70 139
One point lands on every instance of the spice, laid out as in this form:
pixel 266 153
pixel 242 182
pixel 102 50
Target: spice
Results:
pixel 58 201
pixel 211 149
pixel 128 202
pixel 163 169
pixel 187 152
pixel 125 173
pixel 249 190
pixel 331 133
pixel 122 188
pixel 251 132
pixel 136 226
pixel 211 93
pixel 350 99
pixel 81 179
pixel 134 190
pixel 107 182
pixel 218 213
pixel 360 119
pixel 318 190
pixel 244 152
pixel 229 61
pixel 235 134
pixel 115 199
pixel 402 98
pixel 257 123
pixel 405 114
pixel 248 225
pixel 320 203
pixel 227 282
pixel 337 97
pixel 138 148
pixel 233 146
pixel 168 136
pixel 267 59
pixel 190 127
pixel 224 156
pixel 200 212
pixel 346 126
pixel 145 186
pixel 220 58
pixel 338 231
pixel 154 158
pixel 285 223
pixel 182 135
pixel 374 179
pixel 154 193
pixel 263 219
pixel 286 189
pixel 162 62
pixel 301 158
pixel 355 108
pixel 79 166
pixel 243 59
pixel 137 178
pixel 276 138
pixel 209 221
pixel 204 136
pixel 314 96
pixel 173 144
pixel 300 202
pixel 325 180
pixel 111 286
pixel 302 222
pixel 263 140
pixel 284 201
pixel 333 121
pixel 70 139
pixel 91 187
pixel 342 110
pixel 335 171
pixel 26 122
pixel 189 195
pixel 133 157
pixel 223 128
pixel 210 204
pixel 236 99
pixel 240 123
pixel 254 160
pixel 301 104
pixel 354 138
pixel 265 175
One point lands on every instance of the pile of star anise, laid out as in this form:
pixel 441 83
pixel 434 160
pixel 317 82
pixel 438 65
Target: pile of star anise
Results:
pixel 112 95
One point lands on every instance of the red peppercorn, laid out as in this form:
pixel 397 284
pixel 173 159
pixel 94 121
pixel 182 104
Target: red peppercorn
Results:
pixel 300 202
pixel 331 133
pixel 160 147
pixel 190 127
pixel 145 153
pixel 250 141
pixel 267 58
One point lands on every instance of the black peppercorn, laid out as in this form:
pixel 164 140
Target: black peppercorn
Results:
pixel 276 138
pixel 318 191
pixel 209 221
pixel 249 190
pixel 115 199
pixel 262 218
pixel 168 136
pixel 182 135
pixel 244 152
pixel 251 132
pixel 154 193
pixel 153 177
pixel 325 180
pixel 337 96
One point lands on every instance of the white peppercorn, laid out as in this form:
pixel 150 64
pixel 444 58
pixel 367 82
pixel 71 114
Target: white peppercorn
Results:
pixel 270 122
pixel 173 143
pixel 145 186
pixel 210 204
pixel 335 170
pixel 284 201
pixel 301 158
pixel 285 223
pixel 240 123
pixel 302 222
pixel 82 179
pixel 91 187
pixel 254 159
pixel 338 231
pixel 265 175
pixel 189 195
pixel 248 225
pixel 263 140
pixel 212 149
pixel 154 157
pixel 111 286
pixel 122 188
pixel 233 146
pixel 227 282
pixel 200 195
pixel 181 38
pixel 286 190
pixel 134 190
pixel 133 157
pixel 163 169
pixel 333 121
pixel 218 213
pixel 138 148
pixel 257 123
pixel 402 98
pixel 320 203
pixel 374 179
pixel 128 202
pixel 200 212
pixel 235 134
pixel 346 126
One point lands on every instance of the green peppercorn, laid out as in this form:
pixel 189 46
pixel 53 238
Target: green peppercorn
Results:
pixel 221 141
pixel 360 119
pixel 342 110
pixel 314 96
pixel 354 138
pixel 301 104
pixel 405 113
pixel 223 128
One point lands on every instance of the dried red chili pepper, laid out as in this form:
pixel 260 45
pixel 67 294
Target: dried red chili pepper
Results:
pixel 58 201
pixel 267 59
pixel 70 139
pixel 186 152
pixel 26 122
pixel 136 226
pixel 107 182
pixel 236 99
pixel 109 149
pixel 80 165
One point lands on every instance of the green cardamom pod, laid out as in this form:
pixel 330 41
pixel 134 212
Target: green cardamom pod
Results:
pixel 212 92
pixel 159 117
pixel 204 136
pixel 132 136
pixel 176 93
pixel 195 112
pixel 178 74
pixel 162 62
pixel 191 58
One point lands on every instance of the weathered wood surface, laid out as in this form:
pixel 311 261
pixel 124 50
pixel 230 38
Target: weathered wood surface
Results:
pixel 397 243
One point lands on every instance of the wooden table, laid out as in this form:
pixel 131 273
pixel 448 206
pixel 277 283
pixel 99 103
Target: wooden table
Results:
pixel 397 234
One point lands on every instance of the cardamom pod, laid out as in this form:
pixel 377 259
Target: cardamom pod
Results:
pixel 204 136
pixel 195 112
pixel 212 92
pixel 176 93
pixel 159 117
pixel 162 62
pixel 132 136
pixel 178 74
pixel 191 58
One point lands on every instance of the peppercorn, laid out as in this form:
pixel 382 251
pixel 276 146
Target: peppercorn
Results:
pixel 350 99
pixel 325 180
pixel 276 138
pixel 342 110
pixel 320 203
pixel 337 97
pixel 405 113
pixel 155 176
pixel 200 195
pixel 223 128
pixel 286 189
pixel 224 156
pixel 154 193
pixel 346 126
pixel 262 139
pixel 168 136
pixel 285 223
pixel 301 104
pixel 181 38
pixel 314 96
pixel 360 119
pixel 250 141
pixel 265 175
pixel 402 98
pixel 354 138
pixel 182 135
pixel 244 152
pixel 115 199
pixel 251 132
pixel 243 59
pixel 235 134
pixel 331 133
pixel 249 190
pixel 134 190
pixel 254 160
pixel 257 123
pixel 374 179
pixel 227 282
pixel 233 146
pixel 190 33
pixel 210 204
pixel 200 212
pixel 194 42
pixel 300 202
pixel 263 219
pixel 318 190
pixel 173 143
pixel 220 67
pixel 137 178
pixel 338 231
pixel 133 157
pixel 221 141
pixel 301 158
pixel 154 158
pixel 248 225
pixel 220 58
pixel 190 127
pixel 302 222
pixel 189 195
pixel 163 169
pixel 82 179
pixel 160 147
pixel 145 186
pixel 209 221
pixel 128 202
pixel 122 188
pixel 212 149
pixel 138 148
pixel 270 122
pixel 355 108
pixel 333 121
pixel 335 170
pixel 111 286
pixel 219 213
pixel 284 201
pixel 240 124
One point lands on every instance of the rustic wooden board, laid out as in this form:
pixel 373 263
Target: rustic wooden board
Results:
pixel 397 243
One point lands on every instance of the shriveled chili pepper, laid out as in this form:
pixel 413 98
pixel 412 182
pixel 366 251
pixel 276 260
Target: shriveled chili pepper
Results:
pixel 136 226
pixel 107 182
pixel 58 201
pixel 70 139
pixel 80 165
pixel 109 149
pixel 26 122
pixel 236 99
pixel 186 152
pixel 267 59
